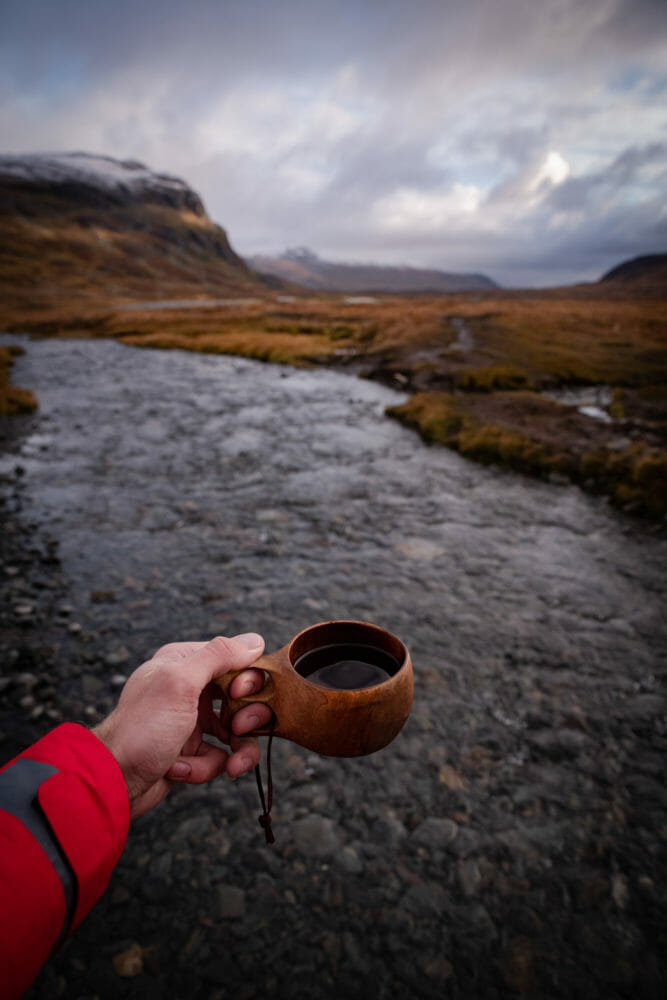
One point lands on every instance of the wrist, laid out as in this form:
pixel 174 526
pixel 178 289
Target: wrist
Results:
pixel 105 733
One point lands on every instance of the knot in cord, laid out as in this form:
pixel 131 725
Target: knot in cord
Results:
pixel 265 822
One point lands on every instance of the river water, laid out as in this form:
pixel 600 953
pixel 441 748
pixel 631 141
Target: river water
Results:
pixel 193 494
pixel 231 494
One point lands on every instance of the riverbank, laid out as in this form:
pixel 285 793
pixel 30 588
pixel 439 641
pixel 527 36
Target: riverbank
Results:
pixel 478 368
pixel 510 843
pixel 13 399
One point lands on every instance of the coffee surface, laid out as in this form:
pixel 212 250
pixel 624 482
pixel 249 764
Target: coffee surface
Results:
pixel 347 666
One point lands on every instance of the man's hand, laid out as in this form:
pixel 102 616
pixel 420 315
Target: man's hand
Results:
pixel 166 707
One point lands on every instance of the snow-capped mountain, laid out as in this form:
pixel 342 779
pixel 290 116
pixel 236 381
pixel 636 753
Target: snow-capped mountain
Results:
pixel 122 177
pixel 94 227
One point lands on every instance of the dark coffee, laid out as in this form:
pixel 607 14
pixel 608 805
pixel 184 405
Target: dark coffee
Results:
pixel 347 666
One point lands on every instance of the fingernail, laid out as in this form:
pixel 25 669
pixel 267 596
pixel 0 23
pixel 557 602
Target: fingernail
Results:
pixel 247 763
pixel 247 686
pixel 251 640
pixel 253 721
pixel 179 770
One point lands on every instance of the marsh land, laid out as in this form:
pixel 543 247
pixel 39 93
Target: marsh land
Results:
pixel 488 374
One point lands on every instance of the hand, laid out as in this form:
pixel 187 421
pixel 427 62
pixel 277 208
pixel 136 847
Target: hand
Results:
pixel 156 730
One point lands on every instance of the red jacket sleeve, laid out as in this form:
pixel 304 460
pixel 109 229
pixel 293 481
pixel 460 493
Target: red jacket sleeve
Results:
pixel 64 816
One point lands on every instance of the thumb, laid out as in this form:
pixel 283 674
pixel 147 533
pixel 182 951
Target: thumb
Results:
pixel 223 654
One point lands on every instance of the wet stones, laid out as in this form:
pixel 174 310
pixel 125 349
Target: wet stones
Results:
pixel 510 842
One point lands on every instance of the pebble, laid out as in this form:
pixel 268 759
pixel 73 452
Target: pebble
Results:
pixel 118 657
pixel 316 836
pixel 129 963
pixel 510 841
pixel 230 902
pixel 435 833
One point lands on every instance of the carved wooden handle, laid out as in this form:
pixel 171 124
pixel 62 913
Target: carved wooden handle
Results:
pixel 270 664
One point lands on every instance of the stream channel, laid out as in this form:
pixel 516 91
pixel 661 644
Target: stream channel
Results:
pixel 510 842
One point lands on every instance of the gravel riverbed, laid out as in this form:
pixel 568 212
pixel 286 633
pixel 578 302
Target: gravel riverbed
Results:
pixel 511 840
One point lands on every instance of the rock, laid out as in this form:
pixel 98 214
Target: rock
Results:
pixel 349 861
pixel 229 902
pixel 435 833
pixel 195 828
pixel 118 657
pixel 620 891
pixel 26 680
pixel 469 876
pixel 428 899
pixel 558 743
pixel 450 778
pixel 129 963
pixel 24 607
pixel 316 836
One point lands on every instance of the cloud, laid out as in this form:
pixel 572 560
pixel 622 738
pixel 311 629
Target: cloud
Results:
pixel 518 138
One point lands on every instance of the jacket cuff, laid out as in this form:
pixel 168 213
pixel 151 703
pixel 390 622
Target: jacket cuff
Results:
pixel 87 807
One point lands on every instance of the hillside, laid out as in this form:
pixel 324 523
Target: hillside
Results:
pixel 566 384
pixel 303 267
pixel 91 228
pixel 648 273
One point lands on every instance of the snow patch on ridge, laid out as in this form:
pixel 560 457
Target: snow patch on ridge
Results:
pixel 86 168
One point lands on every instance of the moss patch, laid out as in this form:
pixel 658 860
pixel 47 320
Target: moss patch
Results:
pixel 13 400
pixel 634 476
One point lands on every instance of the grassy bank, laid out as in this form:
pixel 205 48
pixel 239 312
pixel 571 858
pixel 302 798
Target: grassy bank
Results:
pixel 475 366
pixel 13 399
pixel 531 435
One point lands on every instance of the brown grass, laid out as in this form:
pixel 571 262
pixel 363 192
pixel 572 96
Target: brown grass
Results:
pixel 479 396
pixel 13 400
pixel 529 434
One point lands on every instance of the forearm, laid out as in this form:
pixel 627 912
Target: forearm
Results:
pixel 63 825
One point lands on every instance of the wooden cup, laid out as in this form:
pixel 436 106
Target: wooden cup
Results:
pixel 331 721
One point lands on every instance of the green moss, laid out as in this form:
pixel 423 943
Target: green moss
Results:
pixel 634 477
pixel 492 378
pixel 617 405
pixel 438 419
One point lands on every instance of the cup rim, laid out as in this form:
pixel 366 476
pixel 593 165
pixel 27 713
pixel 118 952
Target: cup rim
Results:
pixel 389 643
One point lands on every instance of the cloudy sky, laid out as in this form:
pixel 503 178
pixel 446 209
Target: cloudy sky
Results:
pixel 526 139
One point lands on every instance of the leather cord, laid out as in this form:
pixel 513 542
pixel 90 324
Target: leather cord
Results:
pixel 266 803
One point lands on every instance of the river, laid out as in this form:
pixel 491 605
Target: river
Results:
pixel 193 494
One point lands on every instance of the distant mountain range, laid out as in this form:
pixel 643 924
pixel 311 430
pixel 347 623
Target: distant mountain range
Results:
pixel 303 267
pixel 83 230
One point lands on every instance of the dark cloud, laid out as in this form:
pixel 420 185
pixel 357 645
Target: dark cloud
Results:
pixel 514 137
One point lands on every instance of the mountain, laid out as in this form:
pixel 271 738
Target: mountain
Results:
pixel 302 267
pixel 643 273
pixel 92 227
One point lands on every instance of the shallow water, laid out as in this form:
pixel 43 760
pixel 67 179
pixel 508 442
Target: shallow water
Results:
pixel 510 841
pixel 212 493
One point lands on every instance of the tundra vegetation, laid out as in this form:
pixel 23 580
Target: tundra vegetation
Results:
pixel 480 368
pixel 13 399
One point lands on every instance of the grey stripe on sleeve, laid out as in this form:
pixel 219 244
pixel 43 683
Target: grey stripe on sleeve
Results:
pixel 19 784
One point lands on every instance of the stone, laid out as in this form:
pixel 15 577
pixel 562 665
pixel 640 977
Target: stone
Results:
pixel 469 876
pixel 427 899
pixel 316 836
pixel 229 902
pixel 129 963
pixel 349 861
pixel 450 778
pixel 435 833
pixel 118 657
